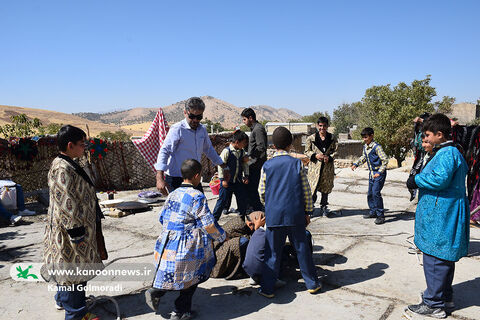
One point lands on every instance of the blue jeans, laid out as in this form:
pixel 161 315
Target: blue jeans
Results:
pixel 225 198
pixel 439 277
pixel 274 243
pixel 374 197
pixel 72 301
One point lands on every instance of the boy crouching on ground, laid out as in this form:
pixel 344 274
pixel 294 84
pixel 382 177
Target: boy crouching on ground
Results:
pixel 442 218
pixel 285 191
pixel 184 250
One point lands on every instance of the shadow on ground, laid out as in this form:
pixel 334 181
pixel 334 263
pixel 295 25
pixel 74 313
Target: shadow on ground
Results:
pixel 465 294
pixel 219 303
pixel 342 278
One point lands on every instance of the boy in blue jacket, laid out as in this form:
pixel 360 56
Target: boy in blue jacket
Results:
pixel 377 161
pixel 442 218
pixel 285 191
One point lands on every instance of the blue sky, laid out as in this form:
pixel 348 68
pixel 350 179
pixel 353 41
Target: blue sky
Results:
pixel 74 56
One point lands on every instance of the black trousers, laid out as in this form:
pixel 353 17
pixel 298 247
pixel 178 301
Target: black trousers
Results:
pixel 184 301
pixel 324 199
pixel 252 189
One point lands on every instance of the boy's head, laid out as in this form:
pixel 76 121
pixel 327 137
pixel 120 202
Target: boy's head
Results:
pixel 191 171
pixel 437 129
pixel 367 135
pixel 322 125
pixel 248 117
pixel 282 138
pixel 255 218
pixel 71 141
pixel 427 146
pixel 239 139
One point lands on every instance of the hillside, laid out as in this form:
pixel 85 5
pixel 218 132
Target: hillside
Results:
pixel 47 116
pixel 216 110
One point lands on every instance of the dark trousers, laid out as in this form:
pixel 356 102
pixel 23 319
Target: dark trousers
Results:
pixel 175 182
pixel 252 189
pixel 323 200
pixel 274 243
pixel 439 277
pixel 72 301
pixel 225 198
pixel 184 301
pixel 374 197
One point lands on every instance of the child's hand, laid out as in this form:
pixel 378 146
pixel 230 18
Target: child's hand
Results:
pixel 353 167
pixel 225 183
pixel 325 159
pixel 307 220
pixel 245 180
pixel 319 156
pixel 246 159
pixel 376 175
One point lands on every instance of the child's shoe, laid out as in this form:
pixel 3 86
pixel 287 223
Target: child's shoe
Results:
pixel 15 219
pixel 152 298
pixel 316 290
pixel 424 310
pixel 380 220
pixel 182 316
pixel 266 295
pixel 369 216
pixel 58 307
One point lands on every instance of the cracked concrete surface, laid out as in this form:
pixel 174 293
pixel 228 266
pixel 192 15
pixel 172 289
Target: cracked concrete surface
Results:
pixel 366 269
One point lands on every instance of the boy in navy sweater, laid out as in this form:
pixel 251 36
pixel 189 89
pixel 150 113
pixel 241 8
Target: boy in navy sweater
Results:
pixel 285 191
pixel 377 161
pixel 233 156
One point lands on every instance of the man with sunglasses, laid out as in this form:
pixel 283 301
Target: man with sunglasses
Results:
pixel 187 139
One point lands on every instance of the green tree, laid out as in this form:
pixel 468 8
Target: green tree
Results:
pixel 216 126
pixel 345 116
pixel 445 106
pixel 51 128
pixel 312 117
pixel 21 126
pixel 118 135
pixel 390 111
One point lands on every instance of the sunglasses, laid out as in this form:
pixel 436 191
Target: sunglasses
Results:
pixel 193 116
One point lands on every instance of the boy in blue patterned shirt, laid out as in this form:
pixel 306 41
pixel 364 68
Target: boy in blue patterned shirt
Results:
pixel 377 161
pixel 184 251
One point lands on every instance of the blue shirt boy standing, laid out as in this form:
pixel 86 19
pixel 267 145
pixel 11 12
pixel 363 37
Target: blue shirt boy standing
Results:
pixel 442 217
pixel 285 191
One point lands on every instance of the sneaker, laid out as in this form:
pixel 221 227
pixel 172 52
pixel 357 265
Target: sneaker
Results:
pixel 15 219
pixel 316 290
pixel 26 212
pixel 152 298
pixel 58 307
pixel 266 295
pixel 252 282
pixel 325 211
pixel 369 216
pixel 424 310
pixel 280 283
pixel 225 212
pixel 90 316
pixel 380 220
pixel 449 305
pixel 181 316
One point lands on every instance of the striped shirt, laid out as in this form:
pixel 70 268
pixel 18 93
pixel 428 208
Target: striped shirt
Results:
pixel 307 194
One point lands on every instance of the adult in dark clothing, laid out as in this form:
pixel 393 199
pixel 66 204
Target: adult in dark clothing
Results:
pixel 257 150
